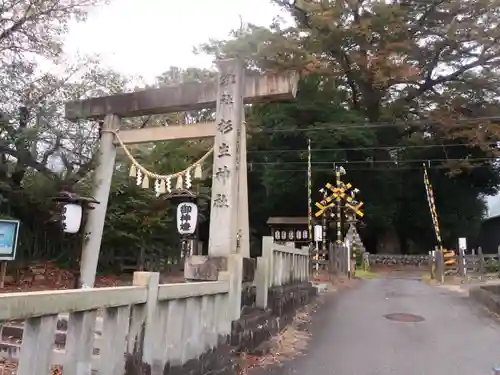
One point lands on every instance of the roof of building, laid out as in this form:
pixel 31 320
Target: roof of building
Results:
pixel 494 217
pixel 287 220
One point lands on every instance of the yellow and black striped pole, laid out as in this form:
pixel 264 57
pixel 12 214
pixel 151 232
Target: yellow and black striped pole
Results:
pixel 338 182
pixel 309 191
pixel 432 208
pixel 325 223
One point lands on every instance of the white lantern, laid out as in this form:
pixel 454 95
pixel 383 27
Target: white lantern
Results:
pixel 72 217
pixel 187 217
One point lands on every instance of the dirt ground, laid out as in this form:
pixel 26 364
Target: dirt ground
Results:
pixel 47 276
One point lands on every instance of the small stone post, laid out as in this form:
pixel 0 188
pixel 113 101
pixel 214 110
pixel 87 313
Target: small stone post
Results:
pixel 331 259
pixel 439 265
pixel 342 249
pixel 262 274
pixel 482 268
pixel 366 260
pixel 462 268
pixel 473 252
pixel 431 264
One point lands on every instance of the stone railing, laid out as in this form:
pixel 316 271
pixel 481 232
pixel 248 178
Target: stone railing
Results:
pixel 279 265
pixel 281 287
pixel 144 328
pixel 398 259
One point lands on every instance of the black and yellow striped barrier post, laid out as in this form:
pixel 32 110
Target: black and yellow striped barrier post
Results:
pixel 442 256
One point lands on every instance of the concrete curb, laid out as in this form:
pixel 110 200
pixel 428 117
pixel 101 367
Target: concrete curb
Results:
pixel 487 295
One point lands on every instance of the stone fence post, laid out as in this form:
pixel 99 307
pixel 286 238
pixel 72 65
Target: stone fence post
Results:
pixel 432 264
pixel 482 263
pixel 151 280
pixel 462 263
pixel 440 266
pixel 263 273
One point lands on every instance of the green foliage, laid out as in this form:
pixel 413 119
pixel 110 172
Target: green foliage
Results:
pixel 492 266
pixel 383 61
pixel 360 62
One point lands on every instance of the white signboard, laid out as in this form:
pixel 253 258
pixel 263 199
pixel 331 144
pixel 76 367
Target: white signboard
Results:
pixel 318 233
pixel 187 218
pixel 9 231
pixel 462 243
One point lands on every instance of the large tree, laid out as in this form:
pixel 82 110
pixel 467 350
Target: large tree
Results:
pixel 435 62
pixel 35 80
pixel 389 57
pixel 40 152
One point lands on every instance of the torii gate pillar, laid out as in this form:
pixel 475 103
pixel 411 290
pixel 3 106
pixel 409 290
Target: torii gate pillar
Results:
pixel 229 207
pixel 228 237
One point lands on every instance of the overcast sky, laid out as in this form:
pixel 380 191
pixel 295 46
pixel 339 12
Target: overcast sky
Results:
pixel 146 37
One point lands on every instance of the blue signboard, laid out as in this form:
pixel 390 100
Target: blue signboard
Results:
pixel 9 230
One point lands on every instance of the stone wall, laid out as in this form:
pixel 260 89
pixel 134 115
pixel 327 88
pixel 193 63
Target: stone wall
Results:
pixel 399 259
pixel 250 333
pixel 217 361
pixel 487 295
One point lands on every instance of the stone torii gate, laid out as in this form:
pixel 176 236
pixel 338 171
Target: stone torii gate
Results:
pixel 229 228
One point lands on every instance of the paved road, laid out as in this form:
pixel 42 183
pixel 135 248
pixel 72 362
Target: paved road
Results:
pixel 351 336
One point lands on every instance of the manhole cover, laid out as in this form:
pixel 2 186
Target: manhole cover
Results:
pixel 406 318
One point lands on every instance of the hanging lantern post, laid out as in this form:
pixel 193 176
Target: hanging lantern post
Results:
pixel 73 213
pixel 188 215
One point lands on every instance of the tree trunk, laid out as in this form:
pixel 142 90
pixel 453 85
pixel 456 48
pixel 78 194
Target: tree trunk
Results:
pixel 388 242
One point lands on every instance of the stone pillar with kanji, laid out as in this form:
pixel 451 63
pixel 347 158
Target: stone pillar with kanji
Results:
pixel 224 229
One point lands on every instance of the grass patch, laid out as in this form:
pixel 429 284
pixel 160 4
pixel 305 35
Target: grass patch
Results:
pixel 426 277
pixel 366 274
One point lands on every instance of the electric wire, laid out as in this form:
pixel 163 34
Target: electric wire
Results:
pixel 369 148
pixel 377 125
pixel 394 169
pixel 344 162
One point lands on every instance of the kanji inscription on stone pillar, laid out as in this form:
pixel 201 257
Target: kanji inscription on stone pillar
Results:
pixel 229 112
